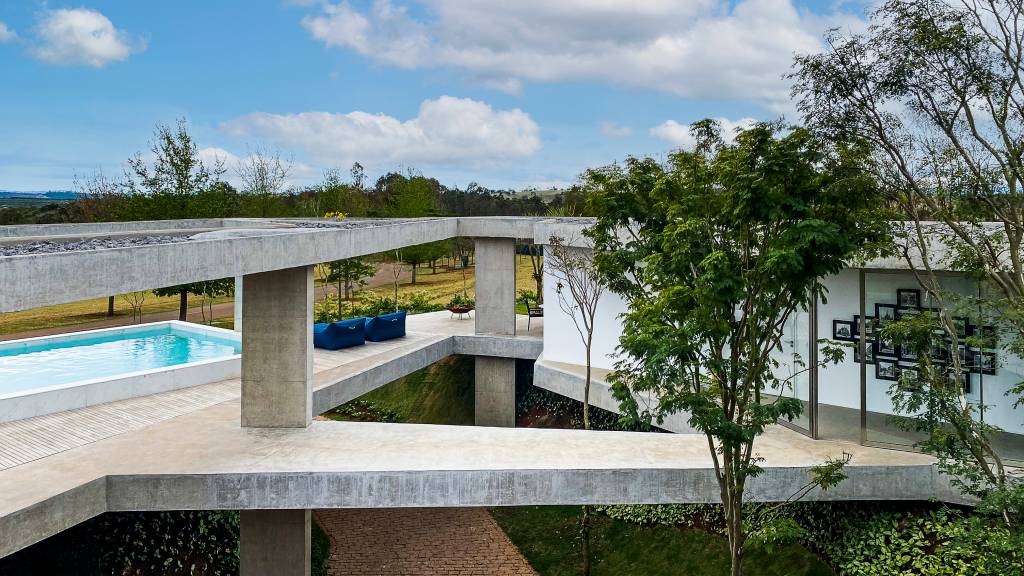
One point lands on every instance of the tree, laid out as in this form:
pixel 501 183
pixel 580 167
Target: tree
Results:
pixel 937 88
pixel 135 300
pixel 177 173
pixel 414 256
pixel 579 290
pixel 209 291
pixel 181 291
pixel 263 174
pixel 713 253
pixel 348 274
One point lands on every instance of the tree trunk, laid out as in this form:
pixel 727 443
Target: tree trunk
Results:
pixel 339 297
pixel 183 305
pixel 110 306
pixel 414 273
pixel 734 525
pixel 585 539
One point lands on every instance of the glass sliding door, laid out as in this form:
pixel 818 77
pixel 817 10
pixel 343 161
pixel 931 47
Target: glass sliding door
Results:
pixel 795 359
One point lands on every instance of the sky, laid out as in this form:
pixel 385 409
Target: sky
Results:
pixel 508 94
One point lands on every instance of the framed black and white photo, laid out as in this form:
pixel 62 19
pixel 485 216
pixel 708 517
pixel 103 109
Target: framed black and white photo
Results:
pixel 908 297
pixel 869 351
pixel 984 363
pixel 905 311
pixel 869 325
pixel 885 313
pixel 964 383
pixel 908 378
pixel 907 354
pixel 886 349
pixel 961 326
pixel 843 330
pixel 887 370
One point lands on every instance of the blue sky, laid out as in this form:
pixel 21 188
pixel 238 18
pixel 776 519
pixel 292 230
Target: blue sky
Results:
pixel 507 94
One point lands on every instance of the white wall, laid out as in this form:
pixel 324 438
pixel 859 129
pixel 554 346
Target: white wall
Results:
pixel 838 385
pixel 562 343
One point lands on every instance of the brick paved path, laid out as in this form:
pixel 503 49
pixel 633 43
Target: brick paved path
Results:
pixel 419 541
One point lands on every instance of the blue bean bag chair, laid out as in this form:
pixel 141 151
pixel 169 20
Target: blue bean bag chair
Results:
pixel 385 327
pixel 338 335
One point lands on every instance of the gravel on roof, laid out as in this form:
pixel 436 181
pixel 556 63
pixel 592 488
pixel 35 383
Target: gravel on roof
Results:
pixel 51 246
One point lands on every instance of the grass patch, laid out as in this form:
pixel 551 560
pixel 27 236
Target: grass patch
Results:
pixel 438 394
pixel 548 538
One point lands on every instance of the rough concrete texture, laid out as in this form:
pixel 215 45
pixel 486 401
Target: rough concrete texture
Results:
pixel 495 391
pixel 418 541
pixel 277 348
pixel 568 380
pixel 99 273
pixel 274 542
pixel 206 461
pixel 495 286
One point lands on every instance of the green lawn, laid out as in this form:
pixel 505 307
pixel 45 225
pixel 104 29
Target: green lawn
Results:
pixel 547 537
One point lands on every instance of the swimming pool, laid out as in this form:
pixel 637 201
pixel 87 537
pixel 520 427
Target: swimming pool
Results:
pixel 53 373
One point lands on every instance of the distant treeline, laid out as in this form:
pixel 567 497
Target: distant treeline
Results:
pixel 174 181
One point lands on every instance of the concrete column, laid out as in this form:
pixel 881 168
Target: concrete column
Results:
pixel 495 286
pixel 274 542
pixel 238 303
pixel 495 391
pixel 277 349
pixel 495 387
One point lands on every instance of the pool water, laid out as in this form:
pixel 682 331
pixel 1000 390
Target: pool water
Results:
pixel 55 363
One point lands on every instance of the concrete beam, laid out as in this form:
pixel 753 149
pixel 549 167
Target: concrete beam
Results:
pixel 495 286
pixel 495 391
pixel 274 542
pixel 277 349
pixel 238 303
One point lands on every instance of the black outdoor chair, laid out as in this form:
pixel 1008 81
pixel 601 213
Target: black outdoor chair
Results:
pixel 533 312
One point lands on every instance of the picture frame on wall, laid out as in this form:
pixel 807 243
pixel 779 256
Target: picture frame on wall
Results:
pixel 869 351
pixel 984 363
pixel 961 326
pixel 887 370
pixel 907 355
pixel 908 297
pixel 965 383
pixel 869 325
pixel 885 313
pixel 886 349
pixel 843 330
pixel 904 311
pixel 908 378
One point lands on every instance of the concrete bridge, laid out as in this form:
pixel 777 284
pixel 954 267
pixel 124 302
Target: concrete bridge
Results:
pixel 251 444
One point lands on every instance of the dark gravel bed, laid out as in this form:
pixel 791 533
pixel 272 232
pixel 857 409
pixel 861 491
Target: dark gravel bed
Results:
pixel 50 247
pixel 349 224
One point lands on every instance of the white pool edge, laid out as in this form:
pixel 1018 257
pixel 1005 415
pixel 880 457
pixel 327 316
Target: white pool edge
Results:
pixel 89 392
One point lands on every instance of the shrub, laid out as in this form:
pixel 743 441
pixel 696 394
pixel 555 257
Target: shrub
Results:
pixel 460 300
pixel 371 305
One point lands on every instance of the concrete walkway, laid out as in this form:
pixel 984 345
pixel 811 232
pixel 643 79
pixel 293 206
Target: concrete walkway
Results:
pixel 419 542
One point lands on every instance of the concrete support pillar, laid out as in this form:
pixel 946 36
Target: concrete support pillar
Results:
pixel 495 286
pixel 277 349
pixel 495 314
pixel 274 542
pixel 238 303
pixel 495 391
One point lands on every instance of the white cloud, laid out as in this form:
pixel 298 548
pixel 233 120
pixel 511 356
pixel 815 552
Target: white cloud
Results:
pixel 81 37
pixel 679 134
pixel 445 131
pixel 712 49
pixel 6 34
pixel 615 130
